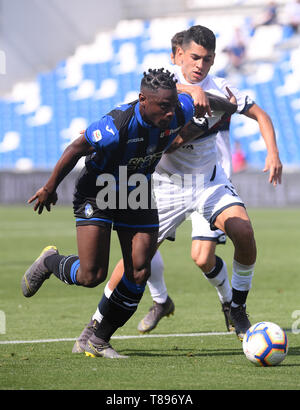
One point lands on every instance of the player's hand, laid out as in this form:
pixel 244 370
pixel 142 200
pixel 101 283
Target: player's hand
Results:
pixel 201 101
pixel 274 166
pixel 43 198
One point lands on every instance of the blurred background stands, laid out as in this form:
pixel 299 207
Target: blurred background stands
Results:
pixel 67 63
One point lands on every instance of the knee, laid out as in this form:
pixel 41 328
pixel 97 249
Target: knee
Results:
pixel 243 239
pixel 204 261
pixel 244 235
pixel 139 275
pixel 91 277
pixel 142 275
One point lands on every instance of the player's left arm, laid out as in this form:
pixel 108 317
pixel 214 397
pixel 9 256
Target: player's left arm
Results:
pixel 228 105
pixel 273 163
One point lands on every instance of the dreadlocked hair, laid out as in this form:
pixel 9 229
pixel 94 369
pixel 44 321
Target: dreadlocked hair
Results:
pixel 158 78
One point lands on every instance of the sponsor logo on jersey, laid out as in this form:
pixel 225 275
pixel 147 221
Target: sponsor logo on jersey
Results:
pixel 108 129
pixel 97 135
pixel 167 133
pixel 143 162
pixel 135 140
pixel 88 210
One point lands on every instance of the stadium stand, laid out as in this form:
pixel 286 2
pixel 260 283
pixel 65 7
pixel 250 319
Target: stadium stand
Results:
pixel 38 119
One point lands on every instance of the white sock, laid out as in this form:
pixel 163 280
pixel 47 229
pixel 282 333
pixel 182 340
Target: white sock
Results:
pixel 221 283
pixel 242 276
pixel 156 281
pixel 97 315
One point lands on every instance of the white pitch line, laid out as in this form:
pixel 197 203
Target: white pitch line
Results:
pixel 11 342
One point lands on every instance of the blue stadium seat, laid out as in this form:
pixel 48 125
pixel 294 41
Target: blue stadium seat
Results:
pixel 43 144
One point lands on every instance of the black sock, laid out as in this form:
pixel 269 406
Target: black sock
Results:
pixel 103 305
pixel 216 270
pixel 239 297
pixel 119 308
pixel 63 267
pixel 105 330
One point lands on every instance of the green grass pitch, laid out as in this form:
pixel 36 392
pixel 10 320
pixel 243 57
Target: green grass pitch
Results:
pixel 179 362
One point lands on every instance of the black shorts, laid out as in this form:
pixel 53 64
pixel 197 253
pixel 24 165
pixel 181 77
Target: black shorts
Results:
pixel 87 212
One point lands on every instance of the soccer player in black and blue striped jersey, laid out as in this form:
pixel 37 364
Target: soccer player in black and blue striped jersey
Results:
pixel 122 150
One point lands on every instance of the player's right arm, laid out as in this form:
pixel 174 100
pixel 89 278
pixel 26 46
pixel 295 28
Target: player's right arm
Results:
pixel 204 101
pixel 46 195
pixel 201 101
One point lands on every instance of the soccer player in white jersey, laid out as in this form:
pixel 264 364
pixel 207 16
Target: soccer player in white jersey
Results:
pixel 192 70
pixel 216 201
pixel 204 240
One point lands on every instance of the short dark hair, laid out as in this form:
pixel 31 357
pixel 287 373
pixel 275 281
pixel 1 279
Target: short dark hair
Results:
pixel 176 41
pixel 201 35
pixel 158 78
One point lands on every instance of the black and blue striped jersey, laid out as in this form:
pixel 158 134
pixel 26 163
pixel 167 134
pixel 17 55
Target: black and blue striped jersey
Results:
pixel 123 138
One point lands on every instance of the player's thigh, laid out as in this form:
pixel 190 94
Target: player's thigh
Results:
pixel 172 203
pixel 237 225
pixel 93 244
pixel 138 248
pixel 203 251
pixel 201 228
pixel 234 221
pixel 204 240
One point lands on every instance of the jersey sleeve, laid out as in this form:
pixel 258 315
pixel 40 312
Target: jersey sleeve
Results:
pixel 102 134
pixel 187 104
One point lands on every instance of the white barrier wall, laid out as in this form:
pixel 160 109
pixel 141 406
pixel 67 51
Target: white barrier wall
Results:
pixel 253 187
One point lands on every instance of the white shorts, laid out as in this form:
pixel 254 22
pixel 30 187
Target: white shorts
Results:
pixel 177 198
pixel 201 230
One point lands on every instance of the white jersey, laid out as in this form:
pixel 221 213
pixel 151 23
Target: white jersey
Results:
pixel 207 160
pixel 202 154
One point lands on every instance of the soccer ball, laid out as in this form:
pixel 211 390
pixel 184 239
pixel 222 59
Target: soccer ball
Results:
pixel 265 344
